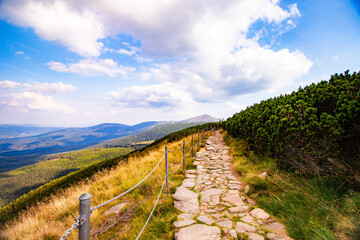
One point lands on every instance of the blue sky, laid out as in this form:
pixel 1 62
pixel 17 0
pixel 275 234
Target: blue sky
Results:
pixel 79 63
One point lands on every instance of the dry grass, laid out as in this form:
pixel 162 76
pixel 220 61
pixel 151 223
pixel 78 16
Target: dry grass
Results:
pixel 51 218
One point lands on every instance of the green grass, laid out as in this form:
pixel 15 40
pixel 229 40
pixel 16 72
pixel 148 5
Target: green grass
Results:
pixel 311 207
pixel 17 182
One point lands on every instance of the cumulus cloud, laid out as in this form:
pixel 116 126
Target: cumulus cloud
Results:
pixel 30 101
pixel 19 53
pixel 9 84
pixel 78 30
pixel 151 96
pixel 30 96
pixel 203 49
pixel 92 67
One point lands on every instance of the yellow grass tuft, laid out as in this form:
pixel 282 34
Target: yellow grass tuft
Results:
pixel 51 218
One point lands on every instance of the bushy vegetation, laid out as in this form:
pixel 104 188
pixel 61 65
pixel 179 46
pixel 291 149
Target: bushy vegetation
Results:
pixel 17 182
pixel 314 130
pixel 311 207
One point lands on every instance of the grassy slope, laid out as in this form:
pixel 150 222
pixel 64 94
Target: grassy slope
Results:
pixel 311 207
pixel 153 133
pixel 20 181
pixel 50 218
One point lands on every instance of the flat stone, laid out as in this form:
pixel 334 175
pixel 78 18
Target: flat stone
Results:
pixel 234 199
pixel 198 232
pixel 190 176
pixel 259 213
pixel 239 209
pixel 205 219
pixel 183 223
pixel 248 219
pixel 199 167
pixel 274 236
pixel 275 226
pixel 115 209
pixel 185 216
pixel 243 227
pixel 225 224
pixel 191 171
pixel 233 234
pixel 188 184
pixel 234 186
pixel 215 199
pixel 205 195
pixel 187 201
pixel 246 189
pixel 255 236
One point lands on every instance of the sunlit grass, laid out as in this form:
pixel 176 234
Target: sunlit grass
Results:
pixel 311 207
pixel 51 218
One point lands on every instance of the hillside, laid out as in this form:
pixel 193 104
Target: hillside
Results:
pixel 153 133
pixel 106 179
pixel 17 131
pixel 15 153
pixel 200 119
pixel 20 181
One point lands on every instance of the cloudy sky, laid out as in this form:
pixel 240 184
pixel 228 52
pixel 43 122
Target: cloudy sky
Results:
pixel 84 62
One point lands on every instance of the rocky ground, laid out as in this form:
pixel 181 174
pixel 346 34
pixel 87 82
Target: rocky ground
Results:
pixel 214 204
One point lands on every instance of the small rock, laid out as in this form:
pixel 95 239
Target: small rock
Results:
pixel 233 234
pixel 225 224
pixel 198 232
pixel 255 236
pixel 187 201
pixel 275 226
pixel 248 219
pixel 263 175
pixel 190 176
pixel 259 213
pixel 239 209
pixel 183 223
pixel 205 219
pixel 243 227
pixel 234 199
pixel 185 216
pixel 246 189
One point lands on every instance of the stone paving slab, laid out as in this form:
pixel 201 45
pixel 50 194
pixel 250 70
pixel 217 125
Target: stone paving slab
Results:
pixel 214 204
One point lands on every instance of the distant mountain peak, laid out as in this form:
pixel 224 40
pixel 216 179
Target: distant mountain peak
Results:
pixel 201 119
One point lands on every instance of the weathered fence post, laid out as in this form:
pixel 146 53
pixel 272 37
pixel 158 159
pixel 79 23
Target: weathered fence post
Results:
pixel 184 155
pixel 192 145
pixel 84 208
pixel 198 139
pixel 166 171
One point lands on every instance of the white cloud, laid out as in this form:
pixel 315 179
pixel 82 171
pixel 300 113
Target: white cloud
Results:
pixel 202 49
pixel 39 87
pixel 9 84
pixel 92 67
pixel 29 96
pixel 30 101
pixel 19 53
pixel 78 30
pixel 151 96
pixel 48 87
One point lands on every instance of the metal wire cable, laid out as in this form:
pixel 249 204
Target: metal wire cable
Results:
pixel 152 211
pixel 75 225
pixel 189 151
pixel 129 190
pixel 176 149
pixel 188 141
pixel 177 167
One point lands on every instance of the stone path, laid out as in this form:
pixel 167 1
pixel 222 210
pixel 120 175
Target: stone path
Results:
pixel 214 205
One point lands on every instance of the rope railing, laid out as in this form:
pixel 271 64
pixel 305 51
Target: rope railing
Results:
pixel 83 220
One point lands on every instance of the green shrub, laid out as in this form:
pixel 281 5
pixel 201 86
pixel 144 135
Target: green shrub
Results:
pixel 314 130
